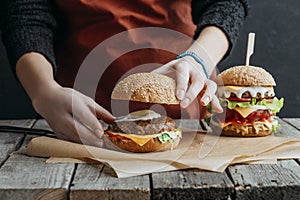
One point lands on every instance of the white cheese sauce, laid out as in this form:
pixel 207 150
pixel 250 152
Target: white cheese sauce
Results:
pixel 253 90
pixel 139 115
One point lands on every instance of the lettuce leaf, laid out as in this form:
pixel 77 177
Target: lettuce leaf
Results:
pixel 274 106
pixel 275 128
pixel 275 124
pixel 165 137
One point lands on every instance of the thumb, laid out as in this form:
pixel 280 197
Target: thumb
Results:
pixel 104 114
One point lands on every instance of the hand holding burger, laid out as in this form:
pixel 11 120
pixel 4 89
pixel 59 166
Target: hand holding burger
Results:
pixel 144 130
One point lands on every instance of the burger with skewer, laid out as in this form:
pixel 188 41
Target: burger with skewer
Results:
pixel 249 103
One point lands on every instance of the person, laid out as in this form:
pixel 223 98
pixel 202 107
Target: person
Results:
pixel 46 42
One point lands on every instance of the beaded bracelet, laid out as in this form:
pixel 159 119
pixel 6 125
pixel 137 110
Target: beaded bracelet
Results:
pixel 197 59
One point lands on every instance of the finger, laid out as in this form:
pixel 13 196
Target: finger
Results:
pixel 86 136
pixel 195 88
pixel 72 130
pixel 215 103
pixel 97 110
pixel 61 136
pixel 104 114
pixel 89 119
pixel 209 96
pixel 210 90
pixel 182 80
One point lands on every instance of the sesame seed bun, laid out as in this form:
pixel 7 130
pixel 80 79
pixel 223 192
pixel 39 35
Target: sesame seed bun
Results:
pixel 245 76
pixel 146 87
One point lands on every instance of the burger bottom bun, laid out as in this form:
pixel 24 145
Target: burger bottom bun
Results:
pixel 129 145
pixel 259 129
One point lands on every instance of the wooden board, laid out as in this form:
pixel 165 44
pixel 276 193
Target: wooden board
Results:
pixel 287 130
pixel 191 184
pixel 293 121
pixel 24 177
pixel 10 142
pixel 39 124
pixel 98 182
pixel 280 181
pixel 18 123
pixel 42 124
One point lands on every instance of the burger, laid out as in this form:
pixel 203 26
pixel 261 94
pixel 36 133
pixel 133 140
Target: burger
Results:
pixel 249 103
pixel 144 130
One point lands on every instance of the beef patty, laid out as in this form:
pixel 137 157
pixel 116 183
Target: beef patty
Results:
pixel 144 127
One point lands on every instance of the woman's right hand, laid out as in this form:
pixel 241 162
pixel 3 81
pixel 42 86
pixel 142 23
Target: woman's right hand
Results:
pixel 71 115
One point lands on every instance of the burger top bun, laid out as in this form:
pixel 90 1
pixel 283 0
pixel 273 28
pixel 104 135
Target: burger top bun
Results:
pixel 146 87
pixel 245 76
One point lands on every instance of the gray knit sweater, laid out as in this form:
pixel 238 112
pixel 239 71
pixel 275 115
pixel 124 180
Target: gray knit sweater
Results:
pixel 31 26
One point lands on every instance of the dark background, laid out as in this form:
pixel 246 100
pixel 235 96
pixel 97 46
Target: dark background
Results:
pixel 276 24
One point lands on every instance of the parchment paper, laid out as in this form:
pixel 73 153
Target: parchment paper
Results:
pixel 219 153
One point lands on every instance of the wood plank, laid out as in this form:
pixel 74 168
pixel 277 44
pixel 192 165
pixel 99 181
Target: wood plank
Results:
pixel 276 181
pixel 18 123
pixel 98 182
pixel 24 177
pixel 287 130
pixel 9 142
pixel 191 184
pixel 42 124
pixel 39 124
pixel 293 121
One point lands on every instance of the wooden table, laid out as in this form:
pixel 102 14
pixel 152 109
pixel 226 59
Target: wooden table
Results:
pixel 23 177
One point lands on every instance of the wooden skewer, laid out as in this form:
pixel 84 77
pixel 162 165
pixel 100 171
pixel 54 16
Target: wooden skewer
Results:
pixel 250 47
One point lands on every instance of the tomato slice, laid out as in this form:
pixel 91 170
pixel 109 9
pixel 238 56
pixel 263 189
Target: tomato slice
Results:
pixel 236 118
pixel 248 99
pixel 111 134
pixel 240 99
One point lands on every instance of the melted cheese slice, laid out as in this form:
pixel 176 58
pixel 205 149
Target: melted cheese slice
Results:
pixel 139 115
pixel 143 139
pixel 222 125
pixel 139 139
pixel 244 111
pixel 239 90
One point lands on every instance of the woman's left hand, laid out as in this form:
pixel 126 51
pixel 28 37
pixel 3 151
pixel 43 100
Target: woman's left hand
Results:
pixel 191 82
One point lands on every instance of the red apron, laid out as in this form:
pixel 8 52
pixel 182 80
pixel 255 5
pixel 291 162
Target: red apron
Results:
pixel 90 22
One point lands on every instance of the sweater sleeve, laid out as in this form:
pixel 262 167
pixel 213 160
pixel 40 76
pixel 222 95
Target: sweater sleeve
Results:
pixel 228 15
pixel 28 26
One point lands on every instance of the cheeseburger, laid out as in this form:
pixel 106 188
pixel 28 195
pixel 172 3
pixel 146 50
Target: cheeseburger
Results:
pixel 144 130
pixel 248 99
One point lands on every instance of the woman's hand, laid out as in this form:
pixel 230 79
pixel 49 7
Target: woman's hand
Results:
pixel 71 115
pixel 211 45
pixel 191 82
